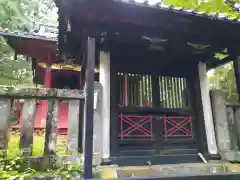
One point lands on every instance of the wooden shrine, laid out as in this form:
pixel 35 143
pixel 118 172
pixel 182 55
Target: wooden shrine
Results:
pixel 153 64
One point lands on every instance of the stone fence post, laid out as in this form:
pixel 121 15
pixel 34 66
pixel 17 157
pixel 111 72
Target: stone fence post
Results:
pixel 97 124
pixel 220 118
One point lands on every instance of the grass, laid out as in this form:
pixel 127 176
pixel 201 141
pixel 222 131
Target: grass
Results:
pixel 38 145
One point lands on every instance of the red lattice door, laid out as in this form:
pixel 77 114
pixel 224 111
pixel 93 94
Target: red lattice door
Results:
pixel 135 127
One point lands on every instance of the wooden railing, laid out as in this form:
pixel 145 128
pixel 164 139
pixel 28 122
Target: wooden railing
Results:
pixel 30 96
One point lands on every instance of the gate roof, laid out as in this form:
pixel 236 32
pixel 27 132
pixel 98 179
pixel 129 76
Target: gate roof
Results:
pixel 172 30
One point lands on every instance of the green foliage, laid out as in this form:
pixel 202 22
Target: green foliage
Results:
pixel 224 78
pixel 20 16
pixel 13 72
pixel 16 169
pixel 206 6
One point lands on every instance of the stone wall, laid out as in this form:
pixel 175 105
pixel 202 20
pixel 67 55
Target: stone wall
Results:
pixel 227 126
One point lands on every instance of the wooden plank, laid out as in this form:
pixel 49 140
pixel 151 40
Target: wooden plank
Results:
pixel 73 125
pixel 51 126
pixel 27 129
pixel 5 111
pixel 40 93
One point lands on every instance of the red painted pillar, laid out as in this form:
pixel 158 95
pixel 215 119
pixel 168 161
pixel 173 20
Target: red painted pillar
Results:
pixel 48 76
pixel 44 103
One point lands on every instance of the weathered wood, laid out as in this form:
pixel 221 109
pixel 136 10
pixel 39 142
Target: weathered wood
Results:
pixel 51 127
pixel 27 129
pixel 232 128
pixel 5 111
pixel 40 93
pixel 73 125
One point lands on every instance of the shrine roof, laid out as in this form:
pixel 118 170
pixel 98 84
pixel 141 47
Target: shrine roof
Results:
pixel 155 21
pixel 223 13
pixel 170 30
pixel 31 44
pixel 27 35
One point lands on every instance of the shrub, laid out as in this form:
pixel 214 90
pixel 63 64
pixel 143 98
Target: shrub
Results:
pixel 13 166
pixel 18 169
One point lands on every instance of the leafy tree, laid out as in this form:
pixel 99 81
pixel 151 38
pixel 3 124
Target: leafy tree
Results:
pixel 20 16
pixel 224 78
pixel 226 8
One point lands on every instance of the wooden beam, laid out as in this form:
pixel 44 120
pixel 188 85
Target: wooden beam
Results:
pixel 40 93
pixel 155 22
pixel 214 63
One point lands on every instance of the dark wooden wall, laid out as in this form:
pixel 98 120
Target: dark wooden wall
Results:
pixel 157 70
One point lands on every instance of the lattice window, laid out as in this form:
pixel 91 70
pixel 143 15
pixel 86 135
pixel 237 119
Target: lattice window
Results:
pixel 135 127
pixel 135 90
pixel 173 92
pixel 177 126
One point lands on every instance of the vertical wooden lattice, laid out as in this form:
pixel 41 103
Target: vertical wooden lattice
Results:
pixel 135 90
pixel 173 92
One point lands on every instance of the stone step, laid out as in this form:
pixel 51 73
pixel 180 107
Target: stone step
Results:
pixel 155 159
pixel 175 169
pixel 185 169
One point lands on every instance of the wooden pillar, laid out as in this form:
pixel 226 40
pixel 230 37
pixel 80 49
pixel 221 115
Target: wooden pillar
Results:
pixel 207 110
pixel 104 78
pixel 236 65
pixel 193 97
pixel 88 146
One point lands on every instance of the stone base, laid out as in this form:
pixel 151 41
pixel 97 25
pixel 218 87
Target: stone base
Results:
pixel 214 157
pixel 106 162
pixel 231 156
pixel 161 170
